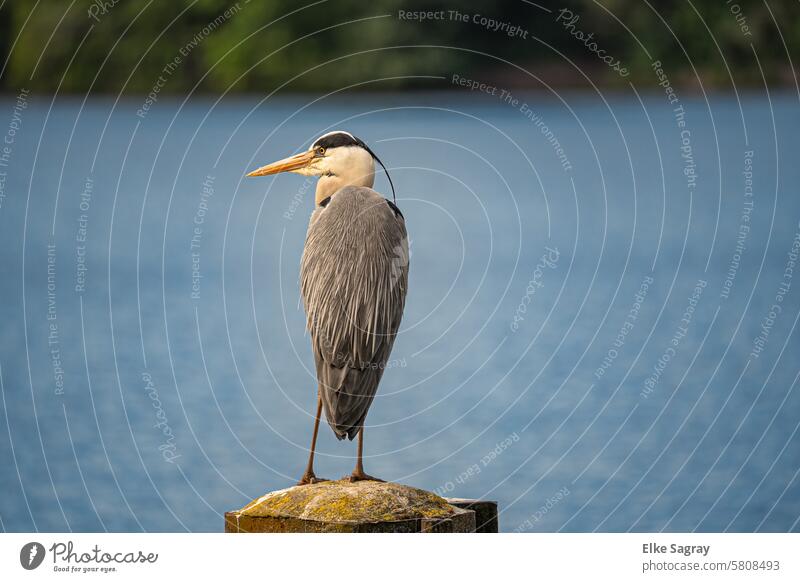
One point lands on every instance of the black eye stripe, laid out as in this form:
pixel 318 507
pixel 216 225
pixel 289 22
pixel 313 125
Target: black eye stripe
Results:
pixel 336 140
pixel 340 139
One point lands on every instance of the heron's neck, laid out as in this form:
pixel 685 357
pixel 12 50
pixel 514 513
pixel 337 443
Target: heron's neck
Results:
pixel 358 170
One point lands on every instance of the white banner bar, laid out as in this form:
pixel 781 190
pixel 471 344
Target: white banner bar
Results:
pixel 400 556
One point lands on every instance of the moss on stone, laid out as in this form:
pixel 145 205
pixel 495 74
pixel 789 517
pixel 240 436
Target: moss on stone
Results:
pixel 342 502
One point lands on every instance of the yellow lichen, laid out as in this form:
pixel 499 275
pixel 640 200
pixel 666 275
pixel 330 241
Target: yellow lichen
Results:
pixel 345 502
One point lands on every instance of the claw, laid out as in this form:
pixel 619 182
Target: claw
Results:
pixel 310 479
pixel 361 476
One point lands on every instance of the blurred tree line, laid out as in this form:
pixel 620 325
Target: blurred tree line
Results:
pixel 258 45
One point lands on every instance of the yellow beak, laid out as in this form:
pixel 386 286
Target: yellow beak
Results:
pixel 289 164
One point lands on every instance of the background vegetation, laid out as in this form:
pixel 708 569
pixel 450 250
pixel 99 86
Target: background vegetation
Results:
pixel 55 44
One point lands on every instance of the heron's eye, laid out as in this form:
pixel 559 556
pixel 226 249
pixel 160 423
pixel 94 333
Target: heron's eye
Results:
pixel 320 151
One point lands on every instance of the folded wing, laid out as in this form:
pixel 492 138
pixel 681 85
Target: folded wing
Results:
pixel 354 277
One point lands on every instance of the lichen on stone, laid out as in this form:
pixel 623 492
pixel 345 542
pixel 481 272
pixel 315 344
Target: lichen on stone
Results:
pixel 346 502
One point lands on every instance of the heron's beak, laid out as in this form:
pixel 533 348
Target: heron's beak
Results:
pixel 289 164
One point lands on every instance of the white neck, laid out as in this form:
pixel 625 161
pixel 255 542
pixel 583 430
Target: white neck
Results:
pixel 345 166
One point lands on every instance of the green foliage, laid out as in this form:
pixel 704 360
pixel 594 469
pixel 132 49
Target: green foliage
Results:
pixel 261 46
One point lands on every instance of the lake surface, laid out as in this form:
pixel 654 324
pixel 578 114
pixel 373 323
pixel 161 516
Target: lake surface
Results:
pixel 600 331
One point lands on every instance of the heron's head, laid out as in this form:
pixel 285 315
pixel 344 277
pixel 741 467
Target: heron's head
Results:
pixel 338 158
pixel 337 153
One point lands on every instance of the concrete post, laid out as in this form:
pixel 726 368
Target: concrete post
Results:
pixel 361 507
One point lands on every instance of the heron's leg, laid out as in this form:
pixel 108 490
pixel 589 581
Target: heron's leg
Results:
pixel 309 477
pixel 358 473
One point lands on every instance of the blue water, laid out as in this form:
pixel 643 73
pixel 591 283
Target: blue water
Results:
pixel 582 340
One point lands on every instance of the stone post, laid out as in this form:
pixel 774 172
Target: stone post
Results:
pixel 361 507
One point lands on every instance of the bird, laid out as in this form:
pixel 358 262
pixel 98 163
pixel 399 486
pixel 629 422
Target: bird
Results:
pixel 353 282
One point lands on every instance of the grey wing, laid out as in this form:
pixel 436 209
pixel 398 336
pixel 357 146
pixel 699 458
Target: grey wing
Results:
pixel 354 277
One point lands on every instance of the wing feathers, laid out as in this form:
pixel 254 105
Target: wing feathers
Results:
pixel 354 276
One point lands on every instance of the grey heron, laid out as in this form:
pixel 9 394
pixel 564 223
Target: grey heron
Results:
pixel 353 280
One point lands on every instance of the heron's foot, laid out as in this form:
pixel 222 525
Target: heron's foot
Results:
pixel 358 475
pixel 309 479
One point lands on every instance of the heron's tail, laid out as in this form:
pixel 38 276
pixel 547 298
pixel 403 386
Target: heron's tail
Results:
pixel 347 394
